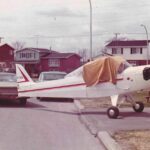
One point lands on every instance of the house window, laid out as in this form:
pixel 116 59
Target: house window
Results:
pixel 133 51
pixel 34 55
pixel 54 62
pixel 20 55
pixel 27 55
pixel 114 51
pixel 141 50
pixel 136 50
pixel 121 50
pixel 117 51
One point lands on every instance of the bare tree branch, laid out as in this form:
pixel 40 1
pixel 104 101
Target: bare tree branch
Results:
pixel 18 45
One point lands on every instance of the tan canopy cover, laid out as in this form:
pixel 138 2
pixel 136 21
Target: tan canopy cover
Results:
pixel 102 70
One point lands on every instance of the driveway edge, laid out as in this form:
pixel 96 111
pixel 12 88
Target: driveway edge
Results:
pixel 103 136
pixel 108 141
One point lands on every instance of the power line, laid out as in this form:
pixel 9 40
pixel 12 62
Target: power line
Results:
pixel 75 36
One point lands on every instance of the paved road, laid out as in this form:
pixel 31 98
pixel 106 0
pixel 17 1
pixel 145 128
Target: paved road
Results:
pixel 43 126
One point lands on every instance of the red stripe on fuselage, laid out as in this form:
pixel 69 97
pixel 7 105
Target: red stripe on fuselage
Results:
pixel 58 87
pixel 51 88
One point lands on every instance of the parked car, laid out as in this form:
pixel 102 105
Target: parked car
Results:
pixel 51 75
pixel 8 87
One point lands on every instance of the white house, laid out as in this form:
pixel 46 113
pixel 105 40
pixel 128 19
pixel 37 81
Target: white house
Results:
pixel 134 51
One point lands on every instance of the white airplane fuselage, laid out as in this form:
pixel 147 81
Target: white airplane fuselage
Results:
pixel 131 79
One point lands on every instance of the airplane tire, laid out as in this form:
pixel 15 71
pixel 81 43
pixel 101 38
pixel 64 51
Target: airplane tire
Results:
pixel 113 112
pixel 138 107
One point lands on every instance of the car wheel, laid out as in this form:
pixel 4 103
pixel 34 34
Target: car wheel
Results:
pixel 23 101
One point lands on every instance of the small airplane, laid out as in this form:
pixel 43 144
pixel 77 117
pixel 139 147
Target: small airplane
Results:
pixel 107 76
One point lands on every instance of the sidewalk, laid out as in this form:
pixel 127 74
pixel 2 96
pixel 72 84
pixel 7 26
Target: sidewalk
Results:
pixel 98 123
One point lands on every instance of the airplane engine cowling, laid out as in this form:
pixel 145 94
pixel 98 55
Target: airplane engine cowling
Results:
pixel 146 73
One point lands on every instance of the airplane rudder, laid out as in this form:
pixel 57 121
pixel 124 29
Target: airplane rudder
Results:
pixel 22 75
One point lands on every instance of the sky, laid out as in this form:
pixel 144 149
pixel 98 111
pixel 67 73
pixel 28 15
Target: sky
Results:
pixel 64 25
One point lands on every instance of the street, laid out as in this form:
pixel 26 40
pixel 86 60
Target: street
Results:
pixel 43 125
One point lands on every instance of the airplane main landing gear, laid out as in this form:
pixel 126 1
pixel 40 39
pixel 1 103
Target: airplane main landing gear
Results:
pixel 113 112
pixel 138 107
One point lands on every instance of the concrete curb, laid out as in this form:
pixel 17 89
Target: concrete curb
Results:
pixel 103 136
pixel 78 105
pixel 108 142
pixel 88 125
pixel 83 119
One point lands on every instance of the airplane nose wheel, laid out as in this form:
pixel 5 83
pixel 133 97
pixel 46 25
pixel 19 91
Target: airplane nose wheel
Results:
pixel 138 107
pixel 113 112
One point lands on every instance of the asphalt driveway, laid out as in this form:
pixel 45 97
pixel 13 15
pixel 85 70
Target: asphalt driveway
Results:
pixel 128 120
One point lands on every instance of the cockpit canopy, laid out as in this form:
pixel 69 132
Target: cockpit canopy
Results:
pixel 123 66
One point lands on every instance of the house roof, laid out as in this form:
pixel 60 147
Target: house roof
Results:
pixel 6 46
pixel 40 50
pixel 128 43
pixel 60 55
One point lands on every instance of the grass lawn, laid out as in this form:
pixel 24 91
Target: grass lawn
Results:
pixel 133 140
pixel 106 102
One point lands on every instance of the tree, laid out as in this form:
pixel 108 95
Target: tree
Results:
pixel 18 45
pixel 83 54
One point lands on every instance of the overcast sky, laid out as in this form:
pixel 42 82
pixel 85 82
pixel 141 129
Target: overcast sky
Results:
pixel 64 24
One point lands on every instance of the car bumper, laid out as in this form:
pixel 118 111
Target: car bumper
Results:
pixel 8 93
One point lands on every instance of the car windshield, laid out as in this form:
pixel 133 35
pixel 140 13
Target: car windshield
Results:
pixel 7 77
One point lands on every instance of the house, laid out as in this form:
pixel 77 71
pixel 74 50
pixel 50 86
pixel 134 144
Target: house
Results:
pixel 7 58
pixel 66 62
pixel 36 60
pixel 30 58
pixel 134 51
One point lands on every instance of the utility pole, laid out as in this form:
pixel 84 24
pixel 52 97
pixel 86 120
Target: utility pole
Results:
pixel 116 39
pixel 116 35
pixel 91 57
pixel 37 40
pixel 1 39
pixel 146 31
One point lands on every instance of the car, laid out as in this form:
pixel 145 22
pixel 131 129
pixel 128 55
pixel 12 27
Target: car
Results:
pixel 8 88
pixel 51 75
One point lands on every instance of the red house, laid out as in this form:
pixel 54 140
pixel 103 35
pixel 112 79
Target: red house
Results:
pixel 66 62
pixel 36 60
pixel 7 58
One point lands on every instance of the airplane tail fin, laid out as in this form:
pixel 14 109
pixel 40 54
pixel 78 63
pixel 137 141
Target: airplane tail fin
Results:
pixel 23 77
